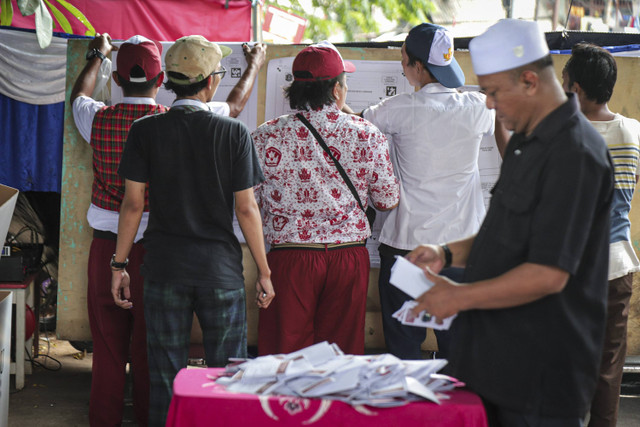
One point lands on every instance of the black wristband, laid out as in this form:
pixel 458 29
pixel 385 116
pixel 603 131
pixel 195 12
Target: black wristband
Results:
pixel 448 258
pixel 95 52
pixel 118 265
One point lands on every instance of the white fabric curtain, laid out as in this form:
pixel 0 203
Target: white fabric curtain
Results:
pixel 31 74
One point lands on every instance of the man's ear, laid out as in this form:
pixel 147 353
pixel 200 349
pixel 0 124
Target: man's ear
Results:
pixel 530 79
pixel 576 88
pixel 580 93
pixel 116 77
pixel 160 79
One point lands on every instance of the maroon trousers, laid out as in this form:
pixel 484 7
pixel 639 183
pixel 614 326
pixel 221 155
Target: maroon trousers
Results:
pixel 321 295
pixel 605 403
pixel 118 335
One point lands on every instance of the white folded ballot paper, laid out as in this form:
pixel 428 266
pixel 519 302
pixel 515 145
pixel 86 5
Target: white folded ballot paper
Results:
pixel 410 279
pixel 323 371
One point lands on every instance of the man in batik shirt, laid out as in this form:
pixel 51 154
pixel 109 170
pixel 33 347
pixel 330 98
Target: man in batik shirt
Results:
pixel 316 227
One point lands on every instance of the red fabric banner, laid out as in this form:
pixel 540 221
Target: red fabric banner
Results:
pixel 163 20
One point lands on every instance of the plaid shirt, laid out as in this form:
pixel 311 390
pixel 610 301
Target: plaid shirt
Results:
pixel 108 136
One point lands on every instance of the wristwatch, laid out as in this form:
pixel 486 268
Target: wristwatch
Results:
pixel 118 265
pixel 448 258
pixel 95 52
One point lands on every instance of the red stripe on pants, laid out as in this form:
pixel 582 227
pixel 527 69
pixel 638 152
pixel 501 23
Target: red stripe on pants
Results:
pixel 320 296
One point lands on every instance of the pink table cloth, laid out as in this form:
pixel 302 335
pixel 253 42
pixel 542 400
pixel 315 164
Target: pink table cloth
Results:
pixel 198 401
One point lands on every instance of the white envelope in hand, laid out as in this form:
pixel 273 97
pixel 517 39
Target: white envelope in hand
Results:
pixel 409 278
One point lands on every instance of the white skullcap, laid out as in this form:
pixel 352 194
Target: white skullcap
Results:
pixel 506 45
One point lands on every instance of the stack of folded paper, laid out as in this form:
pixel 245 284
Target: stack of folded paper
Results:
pixel 410 279
pixel 324 371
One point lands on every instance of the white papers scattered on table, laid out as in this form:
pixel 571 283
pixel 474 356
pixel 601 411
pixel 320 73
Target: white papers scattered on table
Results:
pixel 324 371
pixel 410 279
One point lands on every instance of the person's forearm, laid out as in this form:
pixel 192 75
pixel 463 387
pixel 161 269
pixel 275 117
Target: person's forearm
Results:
pixel 128 223
pixel 349 110
pixel 386 209
pixel 251 226
pixel 521 285
pixel 86 81
pixel 241 92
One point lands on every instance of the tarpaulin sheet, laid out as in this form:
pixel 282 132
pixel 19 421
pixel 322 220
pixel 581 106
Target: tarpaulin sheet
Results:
pixel 164 20
pixel 31 145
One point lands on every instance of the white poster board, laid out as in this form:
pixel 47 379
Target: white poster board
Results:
pixel 235 65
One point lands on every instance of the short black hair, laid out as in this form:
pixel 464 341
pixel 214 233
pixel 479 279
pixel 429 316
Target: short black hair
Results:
pixel 184 90
pixel 594 69
pixel 414 59
pixel 137 88
pixel 314 94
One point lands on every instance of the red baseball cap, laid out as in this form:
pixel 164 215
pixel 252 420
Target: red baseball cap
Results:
pixel 320 61
pixel 141 51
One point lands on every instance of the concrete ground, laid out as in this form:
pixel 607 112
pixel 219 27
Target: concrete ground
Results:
pixel 57 392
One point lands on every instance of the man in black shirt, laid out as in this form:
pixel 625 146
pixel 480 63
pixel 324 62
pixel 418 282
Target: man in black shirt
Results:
pixel 531 310
pixel 201 168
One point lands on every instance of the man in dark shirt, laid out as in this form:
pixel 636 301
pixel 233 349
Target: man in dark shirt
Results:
pixel 530 325
pixel 201 167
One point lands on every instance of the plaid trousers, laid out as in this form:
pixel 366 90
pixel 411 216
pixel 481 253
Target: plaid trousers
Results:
pixel 169 309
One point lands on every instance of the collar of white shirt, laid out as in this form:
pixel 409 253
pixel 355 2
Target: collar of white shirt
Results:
pixel 192 103
pixel 138 100
pixel 436 88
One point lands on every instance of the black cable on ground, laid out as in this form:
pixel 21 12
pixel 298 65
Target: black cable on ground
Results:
pixel 36 363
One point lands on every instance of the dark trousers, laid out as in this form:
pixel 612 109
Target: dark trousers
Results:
pixel 498 416
pixel 605 403
pixel 401 340
pixel 169 309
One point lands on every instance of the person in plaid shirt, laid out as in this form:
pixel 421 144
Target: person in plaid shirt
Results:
pixel 316 228
pixel 119 336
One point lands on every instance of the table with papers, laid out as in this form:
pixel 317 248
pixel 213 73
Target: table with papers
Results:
pixel 199 401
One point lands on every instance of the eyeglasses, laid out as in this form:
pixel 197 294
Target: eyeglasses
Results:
pixel 222 72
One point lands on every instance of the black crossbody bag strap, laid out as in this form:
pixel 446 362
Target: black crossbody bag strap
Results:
pixel 344 175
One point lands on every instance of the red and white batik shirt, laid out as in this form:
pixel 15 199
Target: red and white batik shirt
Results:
pixel 303 198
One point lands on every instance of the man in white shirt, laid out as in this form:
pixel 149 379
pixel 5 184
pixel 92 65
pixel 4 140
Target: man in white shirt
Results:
pixel 435 136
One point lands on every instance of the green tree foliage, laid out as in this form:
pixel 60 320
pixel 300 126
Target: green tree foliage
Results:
pixel 45 24
pixel 355 18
